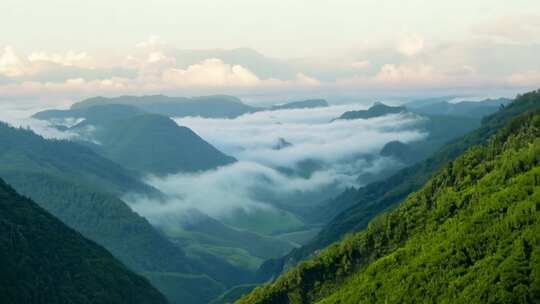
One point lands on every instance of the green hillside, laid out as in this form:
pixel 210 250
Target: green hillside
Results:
pixel 469 235
pixel 152 143
pixel 361 205
pixel 143 142
pixel 24 151
pixel 83 189
pixel 44 261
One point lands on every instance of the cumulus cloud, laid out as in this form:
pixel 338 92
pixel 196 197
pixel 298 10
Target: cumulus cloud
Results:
pixel 15 64
pixel 393 73
pixel 153 42
pixel 211 72
pixel 11 63
pixel 410 44
pixel 154 67
pixel 70 58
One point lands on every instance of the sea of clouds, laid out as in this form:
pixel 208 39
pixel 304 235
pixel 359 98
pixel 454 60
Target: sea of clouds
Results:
pixel 264 177
pixel 344 149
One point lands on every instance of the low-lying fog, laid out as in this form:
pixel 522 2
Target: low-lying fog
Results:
pixel 324 157
pixel 287 160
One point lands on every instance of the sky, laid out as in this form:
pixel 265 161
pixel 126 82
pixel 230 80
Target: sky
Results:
pixel 59 51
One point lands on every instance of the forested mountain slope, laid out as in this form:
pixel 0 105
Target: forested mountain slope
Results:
pixel 471 234
pixel 144 142
pixel 24 151
pixel 362 204
pixel 44 261
pixel 82 188
pixel 155 144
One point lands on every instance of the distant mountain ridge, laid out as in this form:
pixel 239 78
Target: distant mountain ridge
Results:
pixel 141 141
pixel 376 110
pixel 215 106
pixel 465 108
pixel 304 104
pixel 155 144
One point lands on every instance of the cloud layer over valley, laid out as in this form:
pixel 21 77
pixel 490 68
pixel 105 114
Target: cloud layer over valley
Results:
pixel 323 158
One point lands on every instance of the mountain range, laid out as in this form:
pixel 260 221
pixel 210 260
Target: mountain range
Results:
pixel 358 206
pixel 320 249
pixel 466 232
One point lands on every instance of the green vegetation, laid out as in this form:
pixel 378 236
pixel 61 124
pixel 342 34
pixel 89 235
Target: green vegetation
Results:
pixel 185 288
pixel 155 144
pixel 471 234
pixel 299 237
pixel 243 249
pixel 233 294
pixel 361 205
pixel 264 221
pixel 23 151
pixel 145 143
pixel 44 261
pixel 82 188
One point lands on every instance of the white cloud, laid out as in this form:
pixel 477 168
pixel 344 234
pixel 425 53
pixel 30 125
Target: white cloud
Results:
pixel 12 64
pixel 18 114
pixel 157 68
pixel 211 72
pixel 304 80
pixel 394 73
pixel 154 57
pixel 220 192
pixel 256 182
pixel 70 58
pixel 252 137
pixel 152 43
pixel 410 44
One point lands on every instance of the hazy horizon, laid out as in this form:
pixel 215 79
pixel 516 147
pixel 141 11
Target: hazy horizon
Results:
pixel 265 51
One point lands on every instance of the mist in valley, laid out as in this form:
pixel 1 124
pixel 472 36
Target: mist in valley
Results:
pixel 289 161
